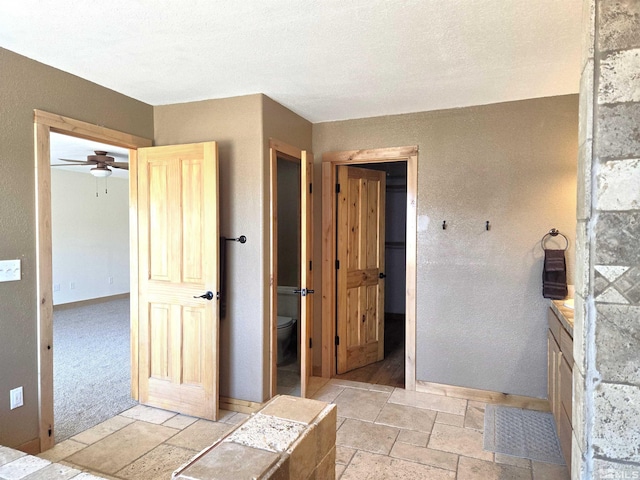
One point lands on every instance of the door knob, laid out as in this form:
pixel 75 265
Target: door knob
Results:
pixel 208 295
pixel 382 275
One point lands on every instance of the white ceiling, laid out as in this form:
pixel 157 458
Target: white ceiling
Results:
pixel 64 146
pixel 324 59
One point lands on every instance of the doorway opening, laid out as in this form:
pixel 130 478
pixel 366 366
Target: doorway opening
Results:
pixel 390 370
pixel 288 275
pixel 332 300
pixel 90 274
pixel 44 124
pixel 291 289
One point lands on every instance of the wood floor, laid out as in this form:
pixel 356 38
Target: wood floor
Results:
pixel 389 371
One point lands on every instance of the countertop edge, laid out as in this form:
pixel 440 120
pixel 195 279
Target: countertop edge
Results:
pixel 564 314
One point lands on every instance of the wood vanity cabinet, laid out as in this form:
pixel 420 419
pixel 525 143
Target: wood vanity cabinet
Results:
pixel 560 381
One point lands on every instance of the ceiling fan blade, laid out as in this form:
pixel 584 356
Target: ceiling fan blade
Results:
pixel 83 162
pixel 119 155
pixel 122 165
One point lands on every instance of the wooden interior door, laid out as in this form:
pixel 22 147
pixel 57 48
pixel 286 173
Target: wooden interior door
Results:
pixel 306 274
pixel 360 274
pixel 178 262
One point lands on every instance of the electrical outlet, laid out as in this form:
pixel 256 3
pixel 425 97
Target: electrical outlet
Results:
pixel 72 286
pixel 110 280
pixel 56 287
pixel 16 398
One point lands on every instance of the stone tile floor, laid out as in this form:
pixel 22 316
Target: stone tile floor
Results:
pixel 383 433
pixel 288 377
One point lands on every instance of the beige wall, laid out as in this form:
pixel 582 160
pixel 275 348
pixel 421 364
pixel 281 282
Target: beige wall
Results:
pixel 279 123
pixel 480 313
pixel 26 85
pixel 235 123
pixel 242 127
pixel 481 318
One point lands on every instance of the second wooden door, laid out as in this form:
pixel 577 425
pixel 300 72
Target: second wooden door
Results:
pixel 360 274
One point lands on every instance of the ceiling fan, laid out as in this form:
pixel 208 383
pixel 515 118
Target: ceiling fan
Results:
pixel 101 160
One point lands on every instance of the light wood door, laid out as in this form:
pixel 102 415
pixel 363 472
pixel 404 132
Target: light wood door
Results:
pixel 178 262
pixel 306 266
pixel 360 286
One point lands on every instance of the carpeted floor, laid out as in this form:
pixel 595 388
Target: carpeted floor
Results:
pixel 91 365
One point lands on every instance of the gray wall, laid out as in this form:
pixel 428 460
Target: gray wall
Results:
pixel 606 373
pixel 26 85
pixel 481 318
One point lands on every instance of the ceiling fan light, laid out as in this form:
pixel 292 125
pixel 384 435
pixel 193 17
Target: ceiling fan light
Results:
pixel 100 172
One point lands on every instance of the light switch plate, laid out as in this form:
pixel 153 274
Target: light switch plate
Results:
pixel 16 398
pixel 10 270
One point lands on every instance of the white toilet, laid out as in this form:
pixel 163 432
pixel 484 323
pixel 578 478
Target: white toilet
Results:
pixel 285 331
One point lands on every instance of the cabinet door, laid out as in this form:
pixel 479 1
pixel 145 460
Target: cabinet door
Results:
pixel 553 372
pixel 566 386
pixel 566 401
pixel 564 435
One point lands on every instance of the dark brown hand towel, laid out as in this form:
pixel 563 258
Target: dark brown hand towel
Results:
pixel 554 275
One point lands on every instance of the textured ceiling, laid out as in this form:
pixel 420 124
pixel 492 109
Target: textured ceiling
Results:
pixel 324 59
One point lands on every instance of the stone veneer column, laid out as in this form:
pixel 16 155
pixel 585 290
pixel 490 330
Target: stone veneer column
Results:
pixel 606 412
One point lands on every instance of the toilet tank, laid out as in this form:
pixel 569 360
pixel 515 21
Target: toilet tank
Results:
pixel 288 302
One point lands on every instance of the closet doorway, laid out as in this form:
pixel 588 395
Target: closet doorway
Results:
pixel 334 332
pixel 383 290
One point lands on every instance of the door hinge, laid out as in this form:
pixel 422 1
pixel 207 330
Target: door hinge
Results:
pixel 310 265
pixel 337 188
pixel 311 188
pixel 337 340
pixel 310 343
pixel 337 264
pixel 50 432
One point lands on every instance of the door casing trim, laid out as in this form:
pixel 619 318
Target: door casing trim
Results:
pixel 293 154
pixel 44 124
pixel 330 161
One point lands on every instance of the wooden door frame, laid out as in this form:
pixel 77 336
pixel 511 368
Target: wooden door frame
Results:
pixel 294 154
pixel 330 161
pixel 44 124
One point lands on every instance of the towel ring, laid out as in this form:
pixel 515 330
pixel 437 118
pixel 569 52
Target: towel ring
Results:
pixel 554 232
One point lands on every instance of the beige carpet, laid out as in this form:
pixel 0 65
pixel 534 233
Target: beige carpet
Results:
pixel 91 365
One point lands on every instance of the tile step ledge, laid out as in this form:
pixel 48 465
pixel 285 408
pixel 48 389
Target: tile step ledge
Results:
pixel 290 438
